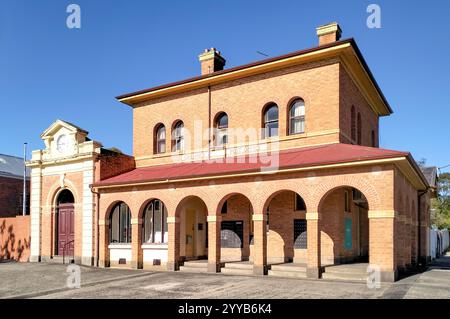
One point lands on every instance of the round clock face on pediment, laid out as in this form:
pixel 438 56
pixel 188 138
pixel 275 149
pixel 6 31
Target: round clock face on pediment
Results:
pixel 63 144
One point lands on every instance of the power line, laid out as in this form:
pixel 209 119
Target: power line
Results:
pixel 441 168
pixel 262 53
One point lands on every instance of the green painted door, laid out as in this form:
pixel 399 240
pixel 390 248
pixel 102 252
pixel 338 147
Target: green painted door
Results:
pixel 348 234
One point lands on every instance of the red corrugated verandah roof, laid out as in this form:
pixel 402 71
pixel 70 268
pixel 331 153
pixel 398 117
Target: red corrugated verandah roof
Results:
pixel 287 159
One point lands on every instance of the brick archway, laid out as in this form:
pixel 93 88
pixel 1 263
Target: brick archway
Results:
pixel 332 183
pixel 233 228
pixel 304 194
pixel 227 197
pixel 192 212
pixel 285 213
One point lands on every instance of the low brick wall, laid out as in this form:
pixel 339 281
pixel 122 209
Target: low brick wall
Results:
pixel 15 238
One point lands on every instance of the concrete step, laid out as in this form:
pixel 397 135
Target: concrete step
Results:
pixel 289 274
pixel 237 271
pixel 298 268
pixel 196 264
pixel 239 265
pixel 347 269
pixel 194 269
pixel 345 276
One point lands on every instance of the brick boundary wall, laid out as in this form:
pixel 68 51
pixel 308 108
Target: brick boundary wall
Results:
pixel 15 238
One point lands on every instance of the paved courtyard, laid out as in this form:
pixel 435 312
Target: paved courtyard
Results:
pixel 49 281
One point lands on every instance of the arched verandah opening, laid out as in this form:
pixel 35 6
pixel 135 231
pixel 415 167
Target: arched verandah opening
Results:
pixel 344 227
pixel 193 244
pixel 236 228
pixel 286 228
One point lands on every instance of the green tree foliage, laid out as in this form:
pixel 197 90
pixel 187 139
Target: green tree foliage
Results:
pixel 441 205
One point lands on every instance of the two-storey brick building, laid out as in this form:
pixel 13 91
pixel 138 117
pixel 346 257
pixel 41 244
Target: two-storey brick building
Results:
pixel 266 168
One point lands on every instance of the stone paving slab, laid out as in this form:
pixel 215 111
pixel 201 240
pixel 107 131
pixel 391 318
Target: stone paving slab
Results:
pixel 48 281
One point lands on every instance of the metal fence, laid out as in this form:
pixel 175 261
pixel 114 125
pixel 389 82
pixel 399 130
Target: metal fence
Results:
pixel 439 242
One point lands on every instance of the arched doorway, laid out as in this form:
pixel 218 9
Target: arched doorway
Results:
pixel 194 228
pixel 65 224
pixel 344 227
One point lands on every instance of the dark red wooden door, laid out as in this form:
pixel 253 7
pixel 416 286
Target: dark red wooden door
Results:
pixel 66 232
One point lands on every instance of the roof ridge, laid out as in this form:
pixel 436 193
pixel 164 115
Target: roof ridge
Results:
pixel 242 66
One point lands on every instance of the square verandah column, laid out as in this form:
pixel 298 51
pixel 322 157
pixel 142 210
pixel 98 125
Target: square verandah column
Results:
pixel 382 247
pixel 173 258
pixel 313 268
pixel 136 243
pixel 214 243
pixel 260 244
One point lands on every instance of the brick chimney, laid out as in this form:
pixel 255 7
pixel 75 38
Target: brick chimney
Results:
pixel 329 33
pixel 211 61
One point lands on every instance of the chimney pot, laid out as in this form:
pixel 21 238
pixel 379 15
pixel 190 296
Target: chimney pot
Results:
pixel 329 33
pixel 211 61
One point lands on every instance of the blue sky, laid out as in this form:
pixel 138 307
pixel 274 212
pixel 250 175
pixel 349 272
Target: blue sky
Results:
pixel 48 71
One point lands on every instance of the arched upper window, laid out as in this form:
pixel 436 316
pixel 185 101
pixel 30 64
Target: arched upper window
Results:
pixel 359 129
pixel 353 123
pixel 178 137
pixel 160 139
pixel 297 117
pixel 120 224
pixel 155 223
pixel 221 129
pixel 270 121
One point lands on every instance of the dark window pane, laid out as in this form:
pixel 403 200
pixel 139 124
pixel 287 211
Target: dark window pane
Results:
pixel 148 224
pixel 161 139
pixel 232 234
pixel 297 125
pixel 222 121
pixel 271 114
pixel 299 203
pixel 165 228
pixel 157 227
pixel 177 137
pixel 300 235
pixel 225 208
pixel 271 129
pixel 114 222
pixel 155 223
pixel 161 148
pixel 120 224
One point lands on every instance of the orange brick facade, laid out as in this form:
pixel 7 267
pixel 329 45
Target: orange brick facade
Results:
pixel 386 226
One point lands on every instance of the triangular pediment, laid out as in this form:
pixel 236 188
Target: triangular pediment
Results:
pixel 60 124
